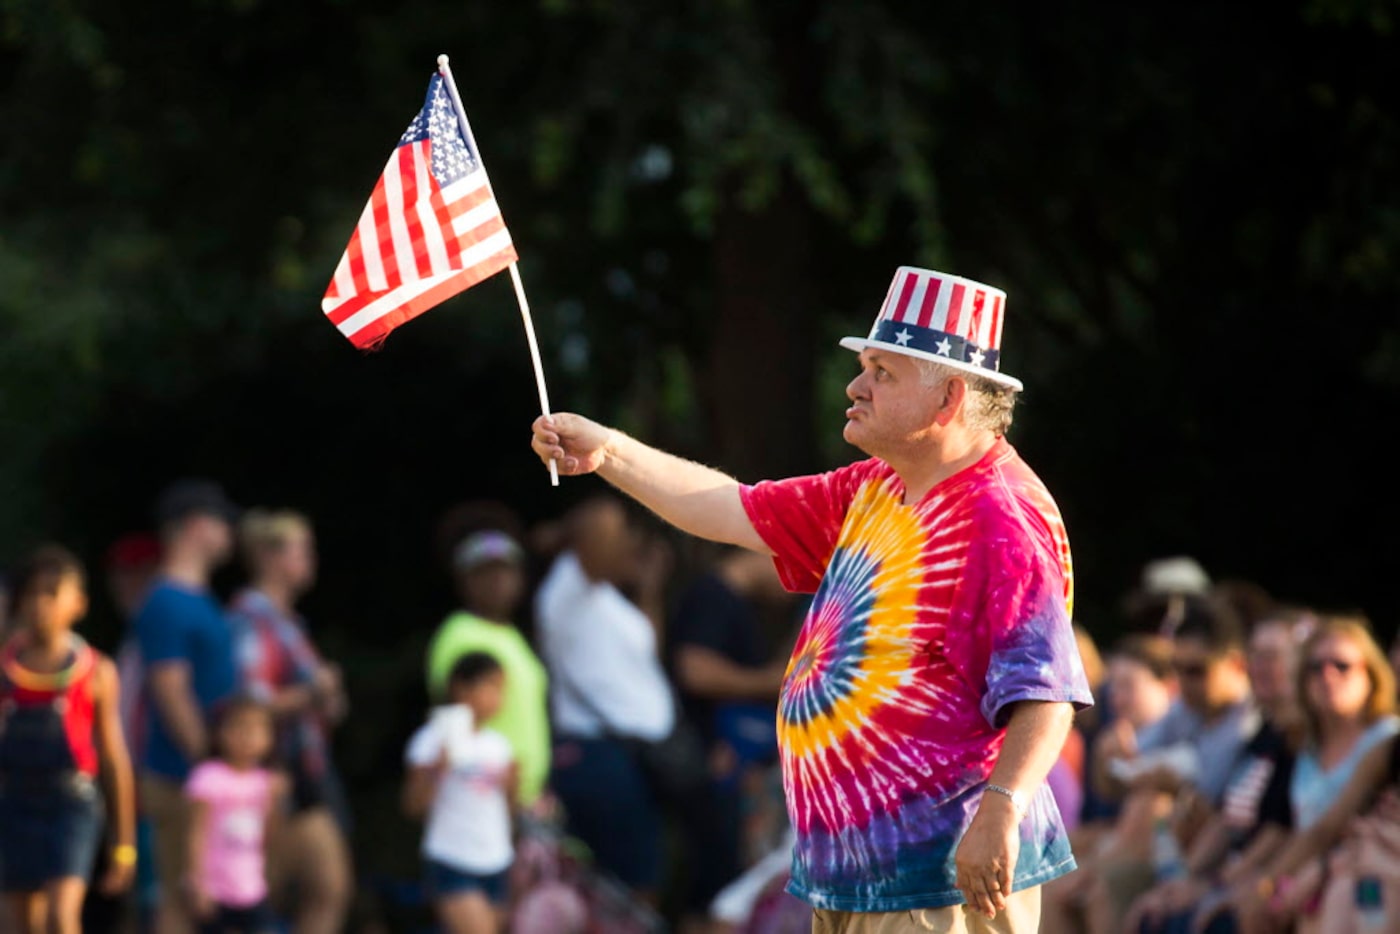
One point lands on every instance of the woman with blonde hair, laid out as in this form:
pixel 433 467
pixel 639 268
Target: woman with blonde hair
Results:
pixel 1346 689
pixel 279 664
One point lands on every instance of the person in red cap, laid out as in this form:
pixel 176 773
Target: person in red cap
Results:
pixel 129 564
pixel 936 677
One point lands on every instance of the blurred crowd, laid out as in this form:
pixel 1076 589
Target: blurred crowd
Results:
pixel 1239 770
pixel 182 782
pixel 598 750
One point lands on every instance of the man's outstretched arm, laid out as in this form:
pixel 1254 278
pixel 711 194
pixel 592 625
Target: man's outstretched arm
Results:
pixel 692 497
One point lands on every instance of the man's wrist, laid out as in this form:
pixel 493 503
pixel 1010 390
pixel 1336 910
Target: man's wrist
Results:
pixel 1016 799
pixel 609 446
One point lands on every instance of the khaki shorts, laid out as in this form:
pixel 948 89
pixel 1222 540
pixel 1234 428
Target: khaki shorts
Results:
pixel 163 804
pixel 1022 916
pixel 311 859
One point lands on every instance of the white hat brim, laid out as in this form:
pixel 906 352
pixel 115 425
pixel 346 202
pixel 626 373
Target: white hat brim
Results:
pixel 861 343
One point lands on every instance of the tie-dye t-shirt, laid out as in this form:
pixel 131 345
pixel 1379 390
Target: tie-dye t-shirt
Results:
pixel 928 621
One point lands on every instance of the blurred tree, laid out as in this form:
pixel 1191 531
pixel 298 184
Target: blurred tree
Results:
pixel 1195 210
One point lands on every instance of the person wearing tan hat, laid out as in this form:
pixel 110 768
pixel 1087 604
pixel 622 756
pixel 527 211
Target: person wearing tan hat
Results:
pixel 936 676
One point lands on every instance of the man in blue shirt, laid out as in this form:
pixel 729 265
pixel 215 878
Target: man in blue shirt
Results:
pixel 187 651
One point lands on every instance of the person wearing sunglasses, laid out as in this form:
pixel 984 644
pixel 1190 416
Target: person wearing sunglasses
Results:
pixel 1360 836
pixel 1199 741
pixel 1177 774
pixel 1255 816
pixel 1348 695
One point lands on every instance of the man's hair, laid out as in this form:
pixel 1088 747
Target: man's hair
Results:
pixel 185 499
pixel 263 530
pixel 42 571
pixel 1151 652
pixel 1251 600
pixel 989 405
pixel 1299 620
pixel 473 668
pixel 1208 620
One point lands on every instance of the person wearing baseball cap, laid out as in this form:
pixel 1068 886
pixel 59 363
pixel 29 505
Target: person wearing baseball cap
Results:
pixel 487 564
pixel 193 498
pixel 936 677
pixel 186 651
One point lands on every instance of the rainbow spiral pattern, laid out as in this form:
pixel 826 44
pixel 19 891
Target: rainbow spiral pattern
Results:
pixel 884 715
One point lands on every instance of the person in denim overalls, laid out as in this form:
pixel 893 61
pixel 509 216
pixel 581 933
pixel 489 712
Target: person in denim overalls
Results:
pixel 59 731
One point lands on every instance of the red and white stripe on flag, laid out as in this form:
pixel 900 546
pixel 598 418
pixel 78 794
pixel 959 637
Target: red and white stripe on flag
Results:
pixel 416 245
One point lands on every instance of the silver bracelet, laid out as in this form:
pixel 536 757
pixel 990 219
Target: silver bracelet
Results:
pixel 1018 800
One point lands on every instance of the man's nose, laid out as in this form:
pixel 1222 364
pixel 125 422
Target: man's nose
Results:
pixel 855 389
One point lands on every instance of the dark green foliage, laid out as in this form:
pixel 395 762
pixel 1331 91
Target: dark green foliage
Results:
pixel 1195 210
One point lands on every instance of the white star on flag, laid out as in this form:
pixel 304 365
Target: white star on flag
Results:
pixel 903 338
pixel 944 347
pixel 976 357
pixel 432 228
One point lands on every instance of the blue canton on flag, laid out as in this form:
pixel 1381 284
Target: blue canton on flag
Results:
pixel 452 156
pixel 431 228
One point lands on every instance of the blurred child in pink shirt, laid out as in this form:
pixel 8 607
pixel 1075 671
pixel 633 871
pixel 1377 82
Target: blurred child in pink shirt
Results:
pixel 233 799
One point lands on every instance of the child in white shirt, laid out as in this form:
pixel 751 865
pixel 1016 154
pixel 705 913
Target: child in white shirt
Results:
pixel 462 778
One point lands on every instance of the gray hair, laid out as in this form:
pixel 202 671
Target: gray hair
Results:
pixel 989 404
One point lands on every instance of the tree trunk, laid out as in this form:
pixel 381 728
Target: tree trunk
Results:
pixel 760 374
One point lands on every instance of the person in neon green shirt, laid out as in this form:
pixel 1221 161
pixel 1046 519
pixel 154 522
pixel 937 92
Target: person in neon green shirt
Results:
pixel 488 567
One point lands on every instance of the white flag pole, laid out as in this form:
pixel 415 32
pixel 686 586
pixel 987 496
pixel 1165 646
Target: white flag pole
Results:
pixel 520 299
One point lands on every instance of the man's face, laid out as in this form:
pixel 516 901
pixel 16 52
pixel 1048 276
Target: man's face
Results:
pixel 1273 658
pixel 215 537
pixel 494 589
pixel 610 541
pixel 1207 680
pixel 891 405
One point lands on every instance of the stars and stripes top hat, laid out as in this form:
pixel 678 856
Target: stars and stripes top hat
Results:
pixel 941 317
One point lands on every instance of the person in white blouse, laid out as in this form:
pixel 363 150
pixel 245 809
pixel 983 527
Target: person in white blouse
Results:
pixel 598 613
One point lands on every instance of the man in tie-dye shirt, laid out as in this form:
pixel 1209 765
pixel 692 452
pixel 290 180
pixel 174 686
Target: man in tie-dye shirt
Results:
pixel 934 682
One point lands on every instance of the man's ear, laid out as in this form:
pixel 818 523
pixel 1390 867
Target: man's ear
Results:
pixel 954 391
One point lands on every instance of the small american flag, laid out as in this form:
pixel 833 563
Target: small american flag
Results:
pixel 431 229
